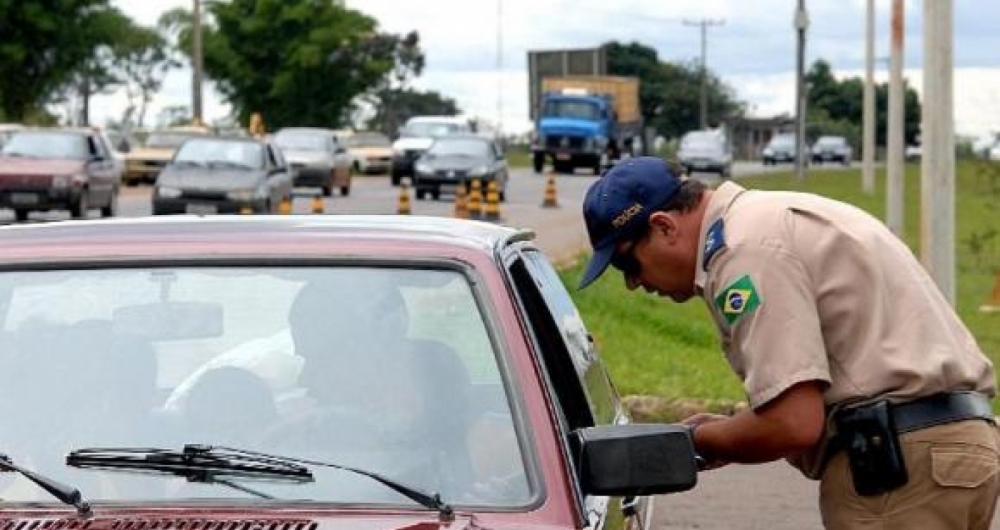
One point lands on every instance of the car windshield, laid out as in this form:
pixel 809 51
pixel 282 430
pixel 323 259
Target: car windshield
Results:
pixel 830 141
pixel 566 108
pixel 47 144
pixel 302 140
pixel 700 141
pixel 227 152
pixel 432 129
pixel 368 140
pixel 462 147
pixel 387 369
pixel 783 141
pixel 168 140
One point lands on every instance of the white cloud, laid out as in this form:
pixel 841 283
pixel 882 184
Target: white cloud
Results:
pixel 753 50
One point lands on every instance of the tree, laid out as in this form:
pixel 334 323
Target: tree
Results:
pixel 297 62
pixel 143 57
pixel 408 103
pixel 391 97
pixel 670 93
pixel 42 47
pixel 838 104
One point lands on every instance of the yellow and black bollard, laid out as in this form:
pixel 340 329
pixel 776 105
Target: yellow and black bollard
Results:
pixel 491 210
pixel 403 205
pixel 476 200
pixel 993 304
pixel 285 206
pixel 461 205
pixel 317 204
pixel 549 200
pixel 246 210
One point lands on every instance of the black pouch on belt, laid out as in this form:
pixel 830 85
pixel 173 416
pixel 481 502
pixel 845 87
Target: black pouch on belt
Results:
pixel 868 434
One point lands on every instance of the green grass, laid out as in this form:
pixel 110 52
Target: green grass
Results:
pixel 655 347
pixel 518 157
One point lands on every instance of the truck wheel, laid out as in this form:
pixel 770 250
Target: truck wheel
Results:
pixel 538 162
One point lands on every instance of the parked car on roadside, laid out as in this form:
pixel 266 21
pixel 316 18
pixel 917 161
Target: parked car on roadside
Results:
pixel 832 149
pixel 143 163
pixel 276 373
pixel 7 130
pixel 318 158
pixel 706 151
pixel 456 160
pixel 223 175
pixel 417 136
pixel 58 169
pixel 781 148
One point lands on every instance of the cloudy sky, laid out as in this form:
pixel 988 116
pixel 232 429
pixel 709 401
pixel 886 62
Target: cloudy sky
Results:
pixel 752 48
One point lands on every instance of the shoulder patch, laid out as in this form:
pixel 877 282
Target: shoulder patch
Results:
pixel 739 299
pixel 715 239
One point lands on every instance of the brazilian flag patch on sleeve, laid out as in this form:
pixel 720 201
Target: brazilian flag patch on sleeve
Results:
pixel 740 298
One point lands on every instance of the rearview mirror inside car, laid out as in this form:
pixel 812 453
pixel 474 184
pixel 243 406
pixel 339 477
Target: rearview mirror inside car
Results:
pixel 165 321
pixel 634 460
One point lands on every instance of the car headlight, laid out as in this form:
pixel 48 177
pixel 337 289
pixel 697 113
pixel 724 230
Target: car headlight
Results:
pixel 61 181
pixel 768 151
pixel 423 168
pixel 479 171
pixel 168 193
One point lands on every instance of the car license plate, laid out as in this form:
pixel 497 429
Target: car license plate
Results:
pixel 24 198
pixel 563 156
pixel 201 209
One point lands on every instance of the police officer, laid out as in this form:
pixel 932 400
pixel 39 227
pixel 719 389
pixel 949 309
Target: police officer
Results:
pixel 856 369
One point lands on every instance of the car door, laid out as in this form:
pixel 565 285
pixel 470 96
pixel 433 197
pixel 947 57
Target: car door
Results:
pixel 101 170
pixel 341 161
pixel 579 385
pixel 279 178
pixel 499 165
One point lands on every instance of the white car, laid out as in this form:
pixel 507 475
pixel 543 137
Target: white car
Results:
pixel 417 136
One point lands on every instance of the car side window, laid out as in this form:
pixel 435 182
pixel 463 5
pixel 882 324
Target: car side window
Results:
pixel 272 160
pixel 279 159
pixel 94 145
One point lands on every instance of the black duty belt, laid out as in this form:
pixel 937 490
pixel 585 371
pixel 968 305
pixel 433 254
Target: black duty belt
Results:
pixel 939 409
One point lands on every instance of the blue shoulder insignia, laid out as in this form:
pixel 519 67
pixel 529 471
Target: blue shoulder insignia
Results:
pixel 715 239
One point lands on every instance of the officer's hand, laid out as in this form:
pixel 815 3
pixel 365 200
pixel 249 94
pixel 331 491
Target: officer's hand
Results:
pixel 702 418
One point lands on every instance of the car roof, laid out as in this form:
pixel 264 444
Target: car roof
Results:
pixel 306 129
pixel 259 236
pixel 439 119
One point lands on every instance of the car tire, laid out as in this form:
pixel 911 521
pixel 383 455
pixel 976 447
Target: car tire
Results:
pixel 396 179
pixel 21 215
pixel 327 191
pixel 81 207
pixel 421 194
pixel 436 193
pixel 538 162
pixel 111 210
pixel 345 190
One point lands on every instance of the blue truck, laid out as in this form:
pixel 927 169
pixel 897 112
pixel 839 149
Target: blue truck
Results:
pixel 585 122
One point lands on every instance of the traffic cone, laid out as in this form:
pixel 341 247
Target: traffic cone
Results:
pixel 461 205
pixel 246 210
pixel 476 200
pixel 285 206
pixel 317 204
pixel 491 210
pixel 549 200
pixel 403 206
pixel 993 305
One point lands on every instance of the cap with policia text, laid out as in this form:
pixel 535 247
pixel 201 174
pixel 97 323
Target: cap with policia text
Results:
pixel 618 206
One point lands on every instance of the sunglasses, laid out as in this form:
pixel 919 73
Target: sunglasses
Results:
pixel 626 261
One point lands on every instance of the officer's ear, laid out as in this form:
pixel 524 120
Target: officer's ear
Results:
pixel 666 224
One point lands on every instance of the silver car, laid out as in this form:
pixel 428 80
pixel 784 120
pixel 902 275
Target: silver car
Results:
pixel 317 157
pixel 706 151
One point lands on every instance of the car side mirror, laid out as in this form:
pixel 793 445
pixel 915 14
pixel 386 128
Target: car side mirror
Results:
pixel 636 460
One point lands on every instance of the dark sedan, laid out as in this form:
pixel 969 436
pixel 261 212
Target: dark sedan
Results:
pixel 223 175
pixel 457 160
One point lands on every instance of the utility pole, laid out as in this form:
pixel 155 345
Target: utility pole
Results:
pixel 937 166
pixel 500 71
pixel 196 64
pixel 868 149
pixel 704 25
pixel 894 154
pixel 801 22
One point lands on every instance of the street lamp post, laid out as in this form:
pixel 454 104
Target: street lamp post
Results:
pixel 801 22
pixel 196 64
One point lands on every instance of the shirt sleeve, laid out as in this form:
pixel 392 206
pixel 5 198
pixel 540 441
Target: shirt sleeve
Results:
pixel 763 302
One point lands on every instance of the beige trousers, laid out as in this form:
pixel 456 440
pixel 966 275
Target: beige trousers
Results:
pixel 954 482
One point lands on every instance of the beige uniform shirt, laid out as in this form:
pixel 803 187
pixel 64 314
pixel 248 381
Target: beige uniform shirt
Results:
pixel 804 288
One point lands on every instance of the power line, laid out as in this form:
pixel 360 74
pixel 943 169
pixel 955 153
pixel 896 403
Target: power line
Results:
pixel 704 24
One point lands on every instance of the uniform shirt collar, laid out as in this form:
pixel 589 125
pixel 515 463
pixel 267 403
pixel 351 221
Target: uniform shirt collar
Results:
pixel 722 197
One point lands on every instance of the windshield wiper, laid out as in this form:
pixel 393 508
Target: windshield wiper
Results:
pixel 188 163
pixel 66 494
pixel 228 164
pixel 197 463
pixel 207 461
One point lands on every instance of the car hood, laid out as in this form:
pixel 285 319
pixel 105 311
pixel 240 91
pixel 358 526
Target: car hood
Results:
pixel 412 142
pixel 39 166
pixel 210 179
pixel 150 153
pixel 701 151
pixel 374 152
pixel 569 127
pixel 457 163
pixel 298 156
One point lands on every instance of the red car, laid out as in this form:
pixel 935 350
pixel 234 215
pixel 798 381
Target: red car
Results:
pixel 295 373
pixel 58 169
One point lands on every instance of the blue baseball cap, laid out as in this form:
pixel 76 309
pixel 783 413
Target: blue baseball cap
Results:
pixel 619 204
